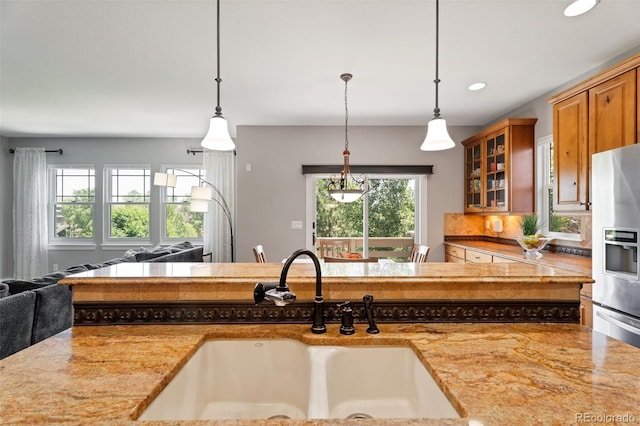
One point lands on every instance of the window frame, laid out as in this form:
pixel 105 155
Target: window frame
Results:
pixel 543 185
pixel 52 175
pixel 107 204
pixel 163 203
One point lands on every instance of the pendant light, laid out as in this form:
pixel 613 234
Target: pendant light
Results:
pixel 437 135
pixel 218 137
pixel 347 189
pixel 579 7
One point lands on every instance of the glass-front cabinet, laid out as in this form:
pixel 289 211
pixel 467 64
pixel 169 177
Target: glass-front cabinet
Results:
pixel 473 173
pixel 499 168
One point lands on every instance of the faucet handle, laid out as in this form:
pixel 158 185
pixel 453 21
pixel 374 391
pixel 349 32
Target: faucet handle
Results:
pixel 346 314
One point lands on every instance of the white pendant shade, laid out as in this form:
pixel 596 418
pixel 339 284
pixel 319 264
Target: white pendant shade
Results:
pixel 201 193
pixel 438 137
pixel 164 179
pixel 218 138
pixel 347 195
pixel 578 7
pixel 199 206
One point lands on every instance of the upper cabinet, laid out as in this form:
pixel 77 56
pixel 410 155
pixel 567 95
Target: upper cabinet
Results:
pixel 499 168
pixel 596 115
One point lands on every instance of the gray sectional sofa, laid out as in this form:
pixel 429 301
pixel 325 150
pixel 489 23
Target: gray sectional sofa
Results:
pixel 33 310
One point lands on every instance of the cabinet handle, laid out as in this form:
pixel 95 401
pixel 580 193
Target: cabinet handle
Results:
pixel 584 204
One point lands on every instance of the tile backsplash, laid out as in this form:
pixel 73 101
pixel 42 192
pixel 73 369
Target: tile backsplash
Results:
pixel 458 224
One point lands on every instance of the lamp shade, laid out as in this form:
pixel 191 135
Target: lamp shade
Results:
pixel 578 7
pixel 218 138
pixel 199 206
pixel 438 137
pixel 164 179
pixel 201 193
pixel 346 195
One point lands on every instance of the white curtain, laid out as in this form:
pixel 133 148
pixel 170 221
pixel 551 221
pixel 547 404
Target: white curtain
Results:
pixel 220 171
pixel 30 231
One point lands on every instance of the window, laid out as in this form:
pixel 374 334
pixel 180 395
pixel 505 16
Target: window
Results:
pixel 127 198
pixel 73 202
pixel 556 225
pixel 178 220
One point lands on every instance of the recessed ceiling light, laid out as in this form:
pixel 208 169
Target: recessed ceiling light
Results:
pixel 477 86
pixel 578 7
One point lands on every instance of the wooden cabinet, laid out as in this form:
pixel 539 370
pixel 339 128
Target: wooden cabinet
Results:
pixel 586 305
pixel 454 254
pixel 571 153
pixel 499 168
pixel 460 255
pixel 473 256
pixel 596 115
pixel 612 113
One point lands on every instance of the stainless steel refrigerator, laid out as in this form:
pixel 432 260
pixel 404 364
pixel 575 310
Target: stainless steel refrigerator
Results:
pixel 615 180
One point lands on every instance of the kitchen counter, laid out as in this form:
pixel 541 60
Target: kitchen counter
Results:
pixel 133 293
pixel 577 264
pixel 494 374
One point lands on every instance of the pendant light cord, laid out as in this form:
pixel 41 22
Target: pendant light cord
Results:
pixel 346 116
pixel 436 110
pixel 218 79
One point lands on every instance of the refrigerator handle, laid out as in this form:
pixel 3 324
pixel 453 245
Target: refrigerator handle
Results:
pixel 629 327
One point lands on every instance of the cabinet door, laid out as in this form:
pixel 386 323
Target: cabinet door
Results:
pixel 612 113
pixel 473 172
pixel 496 179
pixel 570 153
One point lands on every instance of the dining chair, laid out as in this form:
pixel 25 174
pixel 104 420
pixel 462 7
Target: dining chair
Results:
pixel 258 253
pixel 330 259
pixel 333 248
pixel 419 253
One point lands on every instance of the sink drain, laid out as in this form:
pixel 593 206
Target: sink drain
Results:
pixel 359 416
pixel 279 416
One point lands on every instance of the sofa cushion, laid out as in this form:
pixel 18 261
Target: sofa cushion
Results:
pixel 4 290
pixel 16 322
pixel 52 312
pixel 17 286
pixel 191 255
pixel 142 256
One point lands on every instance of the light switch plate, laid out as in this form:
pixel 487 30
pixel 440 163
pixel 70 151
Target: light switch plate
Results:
pixel 296 224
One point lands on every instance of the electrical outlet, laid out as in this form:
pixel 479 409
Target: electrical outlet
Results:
pixel 296 224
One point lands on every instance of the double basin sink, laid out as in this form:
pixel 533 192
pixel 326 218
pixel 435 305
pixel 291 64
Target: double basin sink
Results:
pixel 284 378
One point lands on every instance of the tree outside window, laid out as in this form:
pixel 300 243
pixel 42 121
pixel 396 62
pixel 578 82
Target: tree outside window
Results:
pixel 74 200
pixel 180 221
pixel 128 201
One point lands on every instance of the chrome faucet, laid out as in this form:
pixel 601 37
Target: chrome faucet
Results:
pixel 280 294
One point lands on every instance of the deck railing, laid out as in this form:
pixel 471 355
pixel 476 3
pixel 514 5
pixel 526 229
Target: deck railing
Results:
pixel 381 247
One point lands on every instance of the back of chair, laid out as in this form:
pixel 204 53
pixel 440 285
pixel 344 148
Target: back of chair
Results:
pixel 329 259
pixel 419 253
pixel 258 253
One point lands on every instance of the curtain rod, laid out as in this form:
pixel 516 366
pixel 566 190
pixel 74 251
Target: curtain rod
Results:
pixel 200 151
pixel 59 150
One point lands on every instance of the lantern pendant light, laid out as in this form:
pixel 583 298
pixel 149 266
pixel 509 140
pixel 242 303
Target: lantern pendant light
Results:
pixel 347 189
pixel 218 137
pixel 438 138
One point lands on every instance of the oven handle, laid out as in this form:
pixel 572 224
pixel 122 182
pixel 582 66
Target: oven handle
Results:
pixel 619 323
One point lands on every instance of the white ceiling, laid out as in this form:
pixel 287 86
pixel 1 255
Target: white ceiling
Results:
pixel 147 67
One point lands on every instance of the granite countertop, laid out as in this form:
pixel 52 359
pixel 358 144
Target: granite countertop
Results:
pixel 578 264
pixel 495 374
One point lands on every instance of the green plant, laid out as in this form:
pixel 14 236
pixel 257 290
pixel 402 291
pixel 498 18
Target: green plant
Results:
pixel 529 224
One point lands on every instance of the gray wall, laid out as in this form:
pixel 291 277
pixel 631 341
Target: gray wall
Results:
pixel 97 152
pixel 273 193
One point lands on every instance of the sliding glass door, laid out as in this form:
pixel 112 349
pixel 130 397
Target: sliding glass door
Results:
pixel 382 224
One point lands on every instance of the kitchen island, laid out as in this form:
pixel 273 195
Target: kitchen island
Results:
pixel 182 293
pixel 493 374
